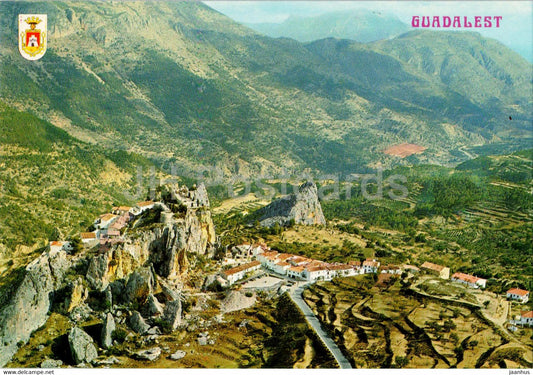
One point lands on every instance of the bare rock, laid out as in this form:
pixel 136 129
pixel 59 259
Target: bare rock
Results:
pixel 78 294
pixel 107 331
pixel 303 207
pixel 106 361
pixel 178 355
pixel 28 308
pixel 149 354
pixel 137 323
pixel 153 306
pixel 82 346
pixel 51 363
pixel 172 314
pixel 140 285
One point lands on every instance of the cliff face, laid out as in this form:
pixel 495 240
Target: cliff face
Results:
pixel 152 260
pixel 303 207
pixel 29 306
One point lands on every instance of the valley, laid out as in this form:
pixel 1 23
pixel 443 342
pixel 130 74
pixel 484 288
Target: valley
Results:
pixel 178 190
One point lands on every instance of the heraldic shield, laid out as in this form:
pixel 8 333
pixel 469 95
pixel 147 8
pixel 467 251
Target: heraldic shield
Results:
pixel 32 35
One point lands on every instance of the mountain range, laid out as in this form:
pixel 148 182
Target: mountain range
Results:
pixel 161 83
pixel 179 82
pixel 359 25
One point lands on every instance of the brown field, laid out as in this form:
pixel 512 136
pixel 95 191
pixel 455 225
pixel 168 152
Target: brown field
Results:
pixel 405 149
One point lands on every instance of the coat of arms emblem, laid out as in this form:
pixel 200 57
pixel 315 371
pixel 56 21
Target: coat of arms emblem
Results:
pixel 32 35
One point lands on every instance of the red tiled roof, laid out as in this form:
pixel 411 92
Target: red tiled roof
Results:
pixel 88 235
pixel 282 264
pixel 432 266
pixel 520 292
pixel 242 267
pixel 144 204
pixel 56 243
pixel 284 256
pixel 107 217
pixel 354 263
pixel 370 263
pixel 468 278
pixel 527 314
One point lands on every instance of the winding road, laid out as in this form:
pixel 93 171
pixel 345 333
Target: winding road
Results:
pixel 296 295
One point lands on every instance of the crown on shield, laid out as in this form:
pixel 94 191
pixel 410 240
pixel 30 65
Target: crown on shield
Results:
pixel 32 20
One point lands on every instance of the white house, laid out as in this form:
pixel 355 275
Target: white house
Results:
pixel 520 295
pixel 314 273
pixel 296 272
pixel 370 266
pixel 470 280
pixel 237 273
pixel 525 318
pixel 88 237
pixel 140 207
pixel 280 267
pixel 104 221
pixel 56 246
pixel 391 268
pixel 342 270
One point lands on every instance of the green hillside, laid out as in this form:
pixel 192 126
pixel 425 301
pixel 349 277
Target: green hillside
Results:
pixel 50 180
pixel 181 83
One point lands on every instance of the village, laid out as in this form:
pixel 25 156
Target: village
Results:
pixel 246 262
pixel 252 258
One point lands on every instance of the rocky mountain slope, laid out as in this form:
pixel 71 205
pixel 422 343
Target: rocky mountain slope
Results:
pixel 145 274
pixel 182 83
pixel 302 207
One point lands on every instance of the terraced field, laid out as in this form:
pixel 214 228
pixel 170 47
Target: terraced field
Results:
pixel 380 325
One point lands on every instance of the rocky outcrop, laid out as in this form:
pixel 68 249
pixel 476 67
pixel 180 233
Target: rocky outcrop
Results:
pixel 172 314
pixel 140 285
pixel 82 346
pixel 29 306
pixel 303 207
pixel 107 331
pixel 137 323
pixel 153 306
pixel 78 294
pixel 151 261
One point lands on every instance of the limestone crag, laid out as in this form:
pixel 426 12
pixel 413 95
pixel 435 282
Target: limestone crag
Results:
pixel 145 272
pixel 303 207
pixel 28 308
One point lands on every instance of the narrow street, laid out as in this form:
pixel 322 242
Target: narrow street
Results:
pixel 296 295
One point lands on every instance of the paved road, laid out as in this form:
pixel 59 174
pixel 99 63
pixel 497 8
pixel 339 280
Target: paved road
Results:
pixel 296 296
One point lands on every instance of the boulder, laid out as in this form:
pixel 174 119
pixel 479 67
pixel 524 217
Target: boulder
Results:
pixel 148 354
pixel 82 346
pixel 153 306
pixel 107 331
pixel 172 314
pixel 154 331
pixel 106 361
pixel 51 363
pixel 137 323
pixel 203 338
pixel 140 285
pixel 178 355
